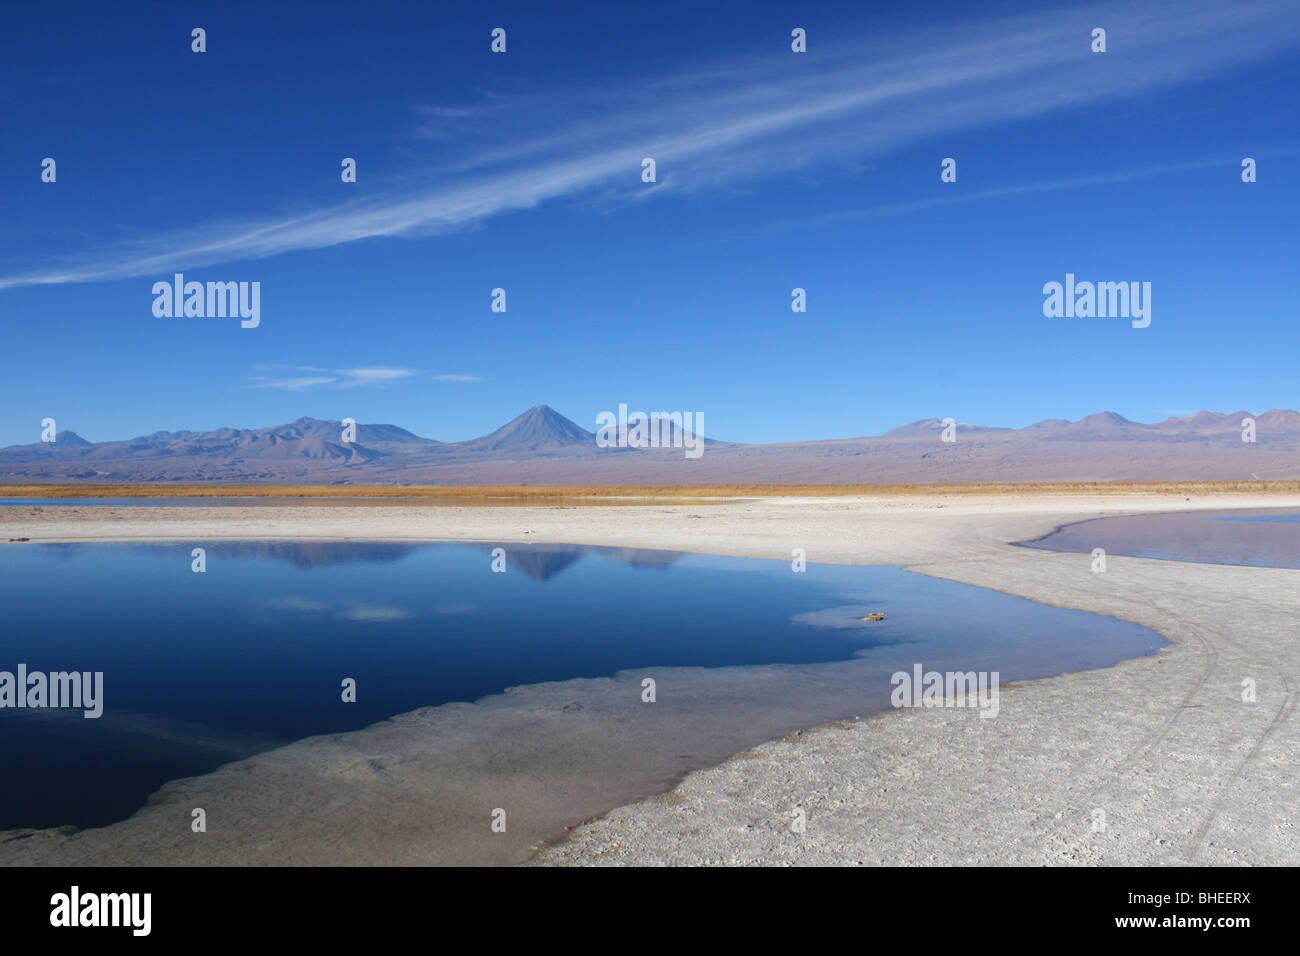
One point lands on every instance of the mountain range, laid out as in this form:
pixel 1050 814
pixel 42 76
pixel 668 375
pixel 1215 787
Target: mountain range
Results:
pixel 541 446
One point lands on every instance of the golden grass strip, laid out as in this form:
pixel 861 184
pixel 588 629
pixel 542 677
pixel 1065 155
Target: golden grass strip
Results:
pixel 576 492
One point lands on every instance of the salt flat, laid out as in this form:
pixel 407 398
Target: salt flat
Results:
pixel 1183 769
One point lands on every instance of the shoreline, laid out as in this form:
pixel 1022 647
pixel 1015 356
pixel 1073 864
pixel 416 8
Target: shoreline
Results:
pixel 961 539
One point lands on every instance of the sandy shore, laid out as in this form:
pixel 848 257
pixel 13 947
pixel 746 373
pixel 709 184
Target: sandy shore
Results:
pixel 1183 769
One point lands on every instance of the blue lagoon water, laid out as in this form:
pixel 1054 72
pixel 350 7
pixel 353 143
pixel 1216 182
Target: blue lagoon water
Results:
pixel 204 668
pixel 1265 538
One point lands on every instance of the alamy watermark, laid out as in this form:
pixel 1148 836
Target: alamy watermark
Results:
pixel 1102 300
pixel 921 688
pixel 76 908
pixel 653 430
pixel 213 300
pixel 59 689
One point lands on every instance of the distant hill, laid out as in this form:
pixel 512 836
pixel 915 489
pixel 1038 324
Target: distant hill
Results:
pixel 933 428
pixel 71 440
pixel 541 429
pixel 541 446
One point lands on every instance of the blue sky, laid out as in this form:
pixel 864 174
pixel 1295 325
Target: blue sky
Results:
pixel 522 170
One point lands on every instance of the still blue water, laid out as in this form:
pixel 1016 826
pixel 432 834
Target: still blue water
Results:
pixel 204 668
pixel 1264 538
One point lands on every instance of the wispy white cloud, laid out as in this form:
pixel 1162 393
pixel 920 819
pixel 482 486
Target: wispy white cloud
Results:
pixel 342 610
pixel 291 384
pixel 338 378
pixel 950 199
pixel 263 367
pixel 742 122
pixel 295 603
pixel 373 375
pixel 371 613
pixel 456 378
